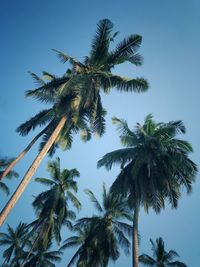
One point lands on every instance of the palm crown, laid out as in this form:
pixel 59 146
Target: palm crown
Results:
pixel 52 205
pixel 155 164
pixel 44 257
pixel 14 240
pixel 81 84
pixel 100 236
pixel 160 256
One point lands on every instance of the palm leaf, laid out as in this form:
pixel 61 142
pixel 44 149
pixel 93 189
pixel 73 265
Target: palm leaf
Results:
pixel 94 200
pixel 101 41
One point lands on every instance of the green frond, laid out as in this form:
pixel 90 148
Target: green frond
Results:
pixel 94 200
pixel 117 157
pixel 4 188
pixel 37 79
pixel 78 66
pixel 45 181
pixel 74 200
pixel 39 119
pixel 49 76
pixel 128 46
pixel 101 41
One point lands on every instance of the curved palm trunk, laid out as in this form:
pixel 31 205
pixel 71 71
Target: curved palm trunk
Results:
pixel 16 195
pixel 135 262
pixel 22 154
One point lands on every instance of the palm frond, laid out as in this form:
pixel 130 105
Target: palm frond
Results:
pixel 101 41
pixel 94 200
pixel 38 80
pixel 39 119
pixel 4 188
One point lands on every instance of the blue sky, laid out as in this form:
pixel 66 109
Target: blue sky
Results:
pixel 171 41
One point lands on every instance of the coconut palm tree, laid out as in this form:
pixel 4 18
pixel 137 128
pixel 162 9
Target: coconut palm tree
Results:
pixel 4 162
pixel 78 91
pixel 154 167
pixel 44 257
pixel 51 206
pixel 160 256
pixel 14 240
pixel 49 118
pixel 99 237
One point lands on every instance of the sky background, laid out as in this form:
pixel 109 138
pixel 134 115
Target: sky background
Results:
pixel 171 41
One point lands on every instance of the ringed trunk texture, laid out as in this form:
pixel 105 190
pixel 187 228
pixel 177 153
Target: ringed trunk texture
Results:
pixel 135 262
pixel 16 195
pixel 22 154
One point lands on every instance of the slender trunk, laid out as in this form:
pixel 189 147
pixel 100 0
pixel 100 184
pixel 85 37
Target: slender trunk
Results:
pixel 30 251
pixel 4 262
pixel 135 262
pixel 34 243
pixel 22 154
pixel 16 195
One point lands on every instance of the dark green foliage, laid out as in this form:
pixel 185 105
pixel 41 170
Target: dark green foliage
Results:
pixel 4 163
pixel 160 256
pixel 41 257
pixel 51 206
pixel 15 241
pixel 155 164
pixel 99 237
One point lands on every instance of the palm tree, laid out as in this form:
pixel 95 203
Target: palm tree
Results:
pixel 154 167
pixel 44 257
pixel 50 118
pixel 78 91
pixel 14 240
pixel 160 256
pixel 100 236
pixel 4 162
pixel 51 206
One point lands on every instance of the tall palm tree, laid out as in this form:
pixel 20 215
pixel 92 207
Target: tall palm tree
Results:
pixel 100 236
pixel 51 206
pixel 14 240
pixel 160 256
pixel 81 88
pixel 154 167
pixel 4 162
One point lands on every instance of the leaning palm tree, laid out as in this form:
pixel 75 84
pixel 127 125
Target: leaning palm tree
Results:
pixel 160 256
pixel 154 167
pixel 48 118
pixel 99 237
pixel 4 162
pixel 51 206
pixel 14 240
pixel 81 87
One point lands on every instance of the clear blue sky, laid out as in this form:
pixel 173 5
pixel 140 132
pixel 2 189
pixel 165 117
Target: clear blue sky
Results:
pixel 171 42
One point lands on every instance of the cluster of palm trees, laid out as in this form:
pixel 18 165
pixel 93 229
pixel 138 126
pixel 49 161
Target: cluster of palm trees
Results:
pixel 155 165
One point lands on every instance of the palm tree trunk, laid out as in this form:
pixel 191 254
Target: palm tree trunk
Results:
pixel 135 262
pixel 30 251
pixel 10 204
pixel 34 243
pixel 22 154
pixel 4 262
